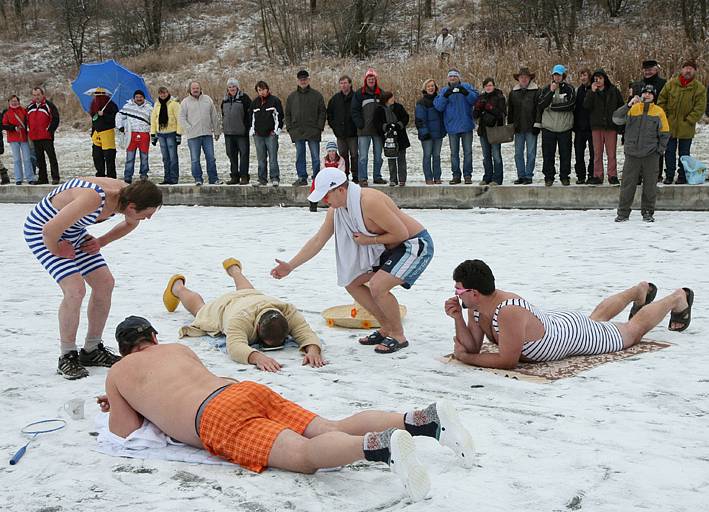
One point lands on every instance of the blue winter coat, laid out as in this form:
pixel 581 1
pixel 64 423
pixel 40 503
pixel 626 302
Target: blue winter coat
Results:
pixel 429 121
pixel 457 109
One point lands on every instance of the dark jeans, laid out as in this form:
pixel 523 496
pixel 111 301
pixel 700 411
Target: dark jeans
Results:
pixel 550 141
pixel 671 161
pixel 397 168
pixel 300 158
pixel 492 161
pixel 633 168
pixel 267 155
pixel 170 163
pixel 41 147
pixel 432 159
pixel 237 150
pixel 104 161
pixel 347 148
pixel 582 139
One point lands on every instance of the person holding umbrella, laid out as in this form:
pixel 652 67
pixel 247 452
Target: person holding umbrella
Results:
pixel 103 136
pixel 100 88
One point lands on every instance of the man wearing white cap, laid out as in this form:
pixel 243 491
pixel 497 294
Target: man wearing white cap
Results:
pixel 377 247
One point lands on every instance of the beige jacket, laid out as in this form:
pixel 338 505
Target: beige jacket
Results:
pixel 236 314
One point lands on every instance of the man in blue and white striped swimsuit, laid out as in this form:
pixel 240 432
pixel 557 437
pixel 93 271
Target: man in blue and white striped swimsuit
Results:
pixel 55 231
pixel 43 212
pixel 526 333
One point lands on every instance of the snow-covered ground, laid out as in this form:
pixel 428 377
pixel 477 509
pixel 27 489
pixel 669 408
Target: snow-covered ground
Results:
pixel 74 154
pixel 630 435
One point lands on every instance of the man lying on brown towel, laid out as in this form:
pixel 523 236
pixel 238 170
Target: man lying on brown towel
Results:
pixel 525 333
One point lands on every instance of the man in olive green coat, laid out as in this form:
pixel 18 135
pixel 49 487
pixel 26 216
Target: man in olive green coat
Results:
pixel 683 99
pixel 305 121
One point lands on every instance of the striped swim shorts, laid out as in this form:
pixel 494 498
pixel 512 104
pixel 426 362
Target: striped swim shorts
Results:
pixel 408 260
pixel 241 422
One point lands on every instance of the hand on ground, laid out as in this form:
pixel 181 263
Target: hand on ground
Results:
pixel 267 364
pixel 314 360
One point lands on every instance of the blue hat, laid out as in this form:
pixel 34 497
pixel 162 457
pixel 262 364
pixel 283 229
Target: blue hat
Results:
pixel 559 69
pixel 331 146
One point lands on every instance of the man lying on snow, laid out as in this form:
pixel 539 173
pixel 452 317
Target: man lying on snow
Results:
pixel 251 425
pixel 525 333
pixel 248 318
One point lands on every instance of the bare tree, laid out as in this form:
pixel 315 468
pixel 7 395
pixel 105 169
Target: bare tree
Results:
pixel 76 15
pixel 614 7
pixel 153 22
pixel 694 19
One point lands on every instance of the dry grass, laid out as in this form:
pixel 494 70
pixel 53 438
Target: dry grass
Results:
pixel 618 52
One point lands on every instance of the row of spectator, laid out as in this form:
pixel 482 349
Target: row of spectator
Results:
pixel 367 116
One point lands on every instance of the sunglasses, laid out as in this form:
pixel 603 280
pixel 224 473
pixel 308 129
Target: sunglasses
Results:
pixel 461 291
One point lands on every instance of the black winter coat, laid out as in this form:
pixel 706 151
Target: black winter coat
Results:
pixel 522 107
pixel 402 120
pixel 490 110
pixel 267 115
pixel 339 115
pixel 582 116
pixel 601 105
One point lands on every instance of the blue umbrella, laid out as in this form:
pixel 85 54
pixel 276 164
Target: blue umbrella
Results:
pixel 120 82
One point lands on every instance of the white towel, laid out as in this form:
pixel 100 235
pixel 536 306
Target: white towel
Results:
pixel 353 259
pixel 149 442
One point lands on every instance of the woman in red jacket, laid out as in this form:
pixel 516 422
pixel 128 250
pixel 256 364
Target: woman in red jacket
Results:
pixel 14 122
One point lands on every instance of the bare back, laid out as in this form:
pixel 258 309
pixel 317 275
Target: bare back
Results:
pixel 166 384
pixel 534 329
pixel 373 222
pixel 110 186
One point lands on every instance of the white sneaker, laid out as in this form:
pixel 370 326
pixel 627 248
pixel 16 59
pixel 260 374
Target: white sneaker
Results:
pixel 275 183
pixel 454 435
pixel 406 466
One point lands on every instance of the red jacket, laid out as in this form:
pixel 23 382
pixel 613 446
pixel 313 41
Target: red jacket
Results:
pixel 43 118
pixel 15 117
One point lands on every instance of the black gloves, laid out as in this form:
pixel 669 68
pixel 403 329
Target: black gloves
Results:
pixel 178 139
pixel 463 91
pixel 153 139
pixel 448 93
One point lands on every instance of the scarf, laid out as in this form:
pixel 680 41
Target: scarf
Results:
pixel 162 116
pixel 683 82
pixel 427 100
pixel 99 101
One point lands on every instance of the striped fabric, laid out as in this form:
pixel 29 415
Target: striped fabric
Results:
pixel 408 260
pixel 565 334
pixel 43 212
pixel 242 422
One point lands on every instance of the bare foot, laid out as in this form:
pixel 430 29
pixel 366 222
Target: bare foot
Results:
pixel 233 271
pixel 178 285
pixel 642 288
pixel 680 306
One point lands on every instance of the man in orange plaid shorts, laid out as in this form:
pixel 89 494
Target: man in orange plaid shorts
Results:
pixel 251 425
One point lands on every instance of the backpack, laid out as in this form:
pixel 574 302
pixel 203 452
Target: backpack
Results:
pixel 391 145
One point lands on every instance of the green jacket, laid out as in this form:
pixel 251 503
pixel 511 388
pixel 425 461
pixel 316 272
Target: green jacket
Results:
pixel 305 114
pixel 684 106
